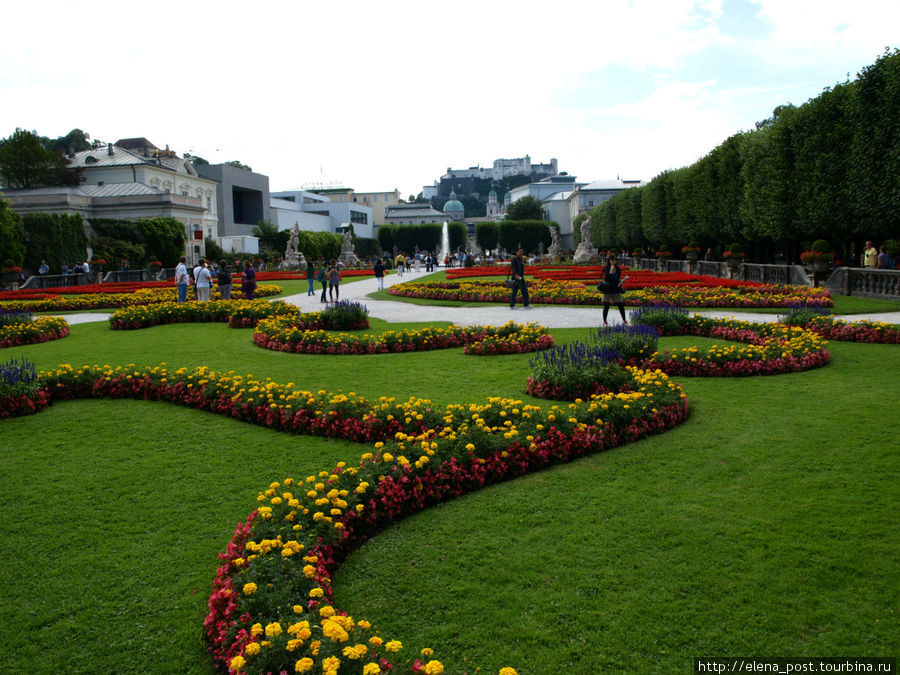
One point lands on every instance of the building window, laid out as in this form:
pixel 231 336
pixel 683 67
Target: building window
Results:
pixel 591 202
pixel 209 203
pixel 357 217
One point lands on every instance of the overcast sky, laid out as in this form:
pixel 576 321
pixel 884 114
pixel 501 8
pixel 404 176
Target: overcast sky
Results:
pixel 384 95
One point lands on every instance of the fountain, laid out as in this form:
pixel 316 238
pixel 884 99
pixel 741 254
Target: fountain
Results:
pixel 445 245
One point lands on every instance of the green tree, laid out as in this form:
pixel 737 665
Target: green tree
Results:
pixel 238 165
pixel 528 234
pixel 487 235
pixel 12 234
pixel 25 162
pixel 76 141
pixel 526 208
pixel 270 238
pixel 54 237
pixel 385 238
pixel 164 238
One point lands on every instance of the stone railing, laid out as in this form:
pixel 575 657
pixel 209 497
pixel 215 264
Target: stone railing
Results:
pixel 58 280
pixel 763 274
pixel 881 284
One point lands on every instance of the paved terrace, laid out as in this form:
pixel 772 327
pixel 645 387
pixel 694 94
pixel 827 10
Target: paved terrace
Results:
pixel 546 315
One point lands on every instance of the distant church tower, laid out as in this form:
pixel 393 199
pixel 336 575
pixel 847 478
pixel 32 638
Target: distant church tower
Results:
pixel 493 207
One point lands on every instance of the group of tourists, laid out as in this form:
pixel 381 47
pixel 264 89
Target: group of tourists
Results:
pixel 202 275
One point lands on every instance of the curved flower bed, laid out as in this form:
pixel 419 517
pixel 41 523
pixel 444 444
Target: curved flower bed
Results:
pixel 271 608
pixel 272 603
pixel 591 274
pixel 854 331
pixel 238 313
pixel 286 335
pixel 20 391
pixel 143 296
pixel 41 329
pixel 772 348
pixel 544 291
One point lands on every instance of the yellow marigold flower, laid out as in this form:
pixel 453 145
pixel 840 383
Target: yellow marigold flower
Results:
pixel 434 668
pixel 508 671
pixel 387 457
pixel 371 669
pixel 273 629
pixel 252 649
pixel 256 629
pixel 326 611
pixel 394 646
pixel 309 571
pixel 316 593
pixel 364 624
pixel 304 665
pixel 298 609
pixel 249 589
pixel 375 640
pixel 331 663
pixel 239 662
pixel 293 645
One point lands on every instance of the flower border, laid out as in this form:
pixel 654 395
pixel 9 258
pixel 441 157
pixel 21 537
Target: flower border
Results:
pixel 285 334
pixel 40 329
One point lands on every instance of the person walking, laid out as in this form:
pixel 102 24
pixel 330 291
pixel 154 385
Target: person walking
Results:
pixel 334 282
pixel 248 281
pixel 182 279
pixel 310 279
pixel 224 280
pixel 379 274
pixel 517 271
pixel 400 263
pixel 612 292
pixel 322 279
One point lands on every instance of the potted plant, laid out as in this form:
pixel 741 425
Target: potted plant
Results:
pixel 11 271
pixel 818 258
pixel 691 251
pixel 97 264
pixel 733 254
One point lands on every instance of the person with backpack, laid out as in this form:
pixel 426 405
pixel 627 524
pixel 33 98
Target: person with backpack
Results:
pixel 322 279
pixel 334 282
pixel 224 280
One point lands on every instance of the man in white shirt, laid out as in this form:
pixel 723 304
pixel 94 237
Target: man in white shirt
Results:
pixel 181 278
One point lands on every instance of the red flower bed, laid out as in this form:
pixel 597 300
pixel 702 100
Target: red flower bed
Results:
pixel 592 274
pixel 16 406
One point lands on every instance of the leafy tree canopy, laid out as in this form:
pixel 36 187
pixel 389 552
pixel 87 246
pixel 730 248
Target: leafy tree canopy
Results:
pixel 527 208
pixel 25 162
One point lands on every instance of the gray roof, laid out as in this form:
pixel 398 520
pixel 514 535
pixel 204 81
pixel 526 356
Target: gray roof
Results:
pixel 109 190
pixel 102 157
pixel 611 184
pixel 411 211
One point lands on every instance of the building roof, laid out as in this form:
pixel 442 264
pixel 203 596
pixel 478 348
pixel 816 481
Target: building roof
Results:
pixel 411 211
pixel 108 156
pixel 136 144
pixel 109 190
pixel 612 184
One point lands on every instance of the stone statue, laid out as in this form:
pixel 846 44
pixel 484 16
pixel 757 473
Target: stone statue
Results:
pixel 348 255
pixel 586 231
pixel 586 251
pixel 553 251
pixel 293 259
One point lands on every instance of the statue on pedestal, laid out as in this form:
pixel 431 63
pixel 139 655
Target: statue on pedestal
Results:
pixel 586 251
pixel 553 251
pixel 348 255
pixel 293 259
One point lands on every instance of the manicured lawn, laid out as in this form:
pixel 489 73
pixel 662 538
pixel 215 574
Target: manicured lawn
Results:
pixel 766 524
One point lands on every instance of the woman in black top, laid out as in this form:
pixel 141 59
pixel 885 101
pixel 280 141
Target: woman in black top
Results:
pixel 612 274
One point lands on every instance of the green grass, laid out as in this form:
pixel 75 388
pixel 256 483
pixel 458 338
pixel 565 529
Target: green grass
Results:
pixel 766 524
